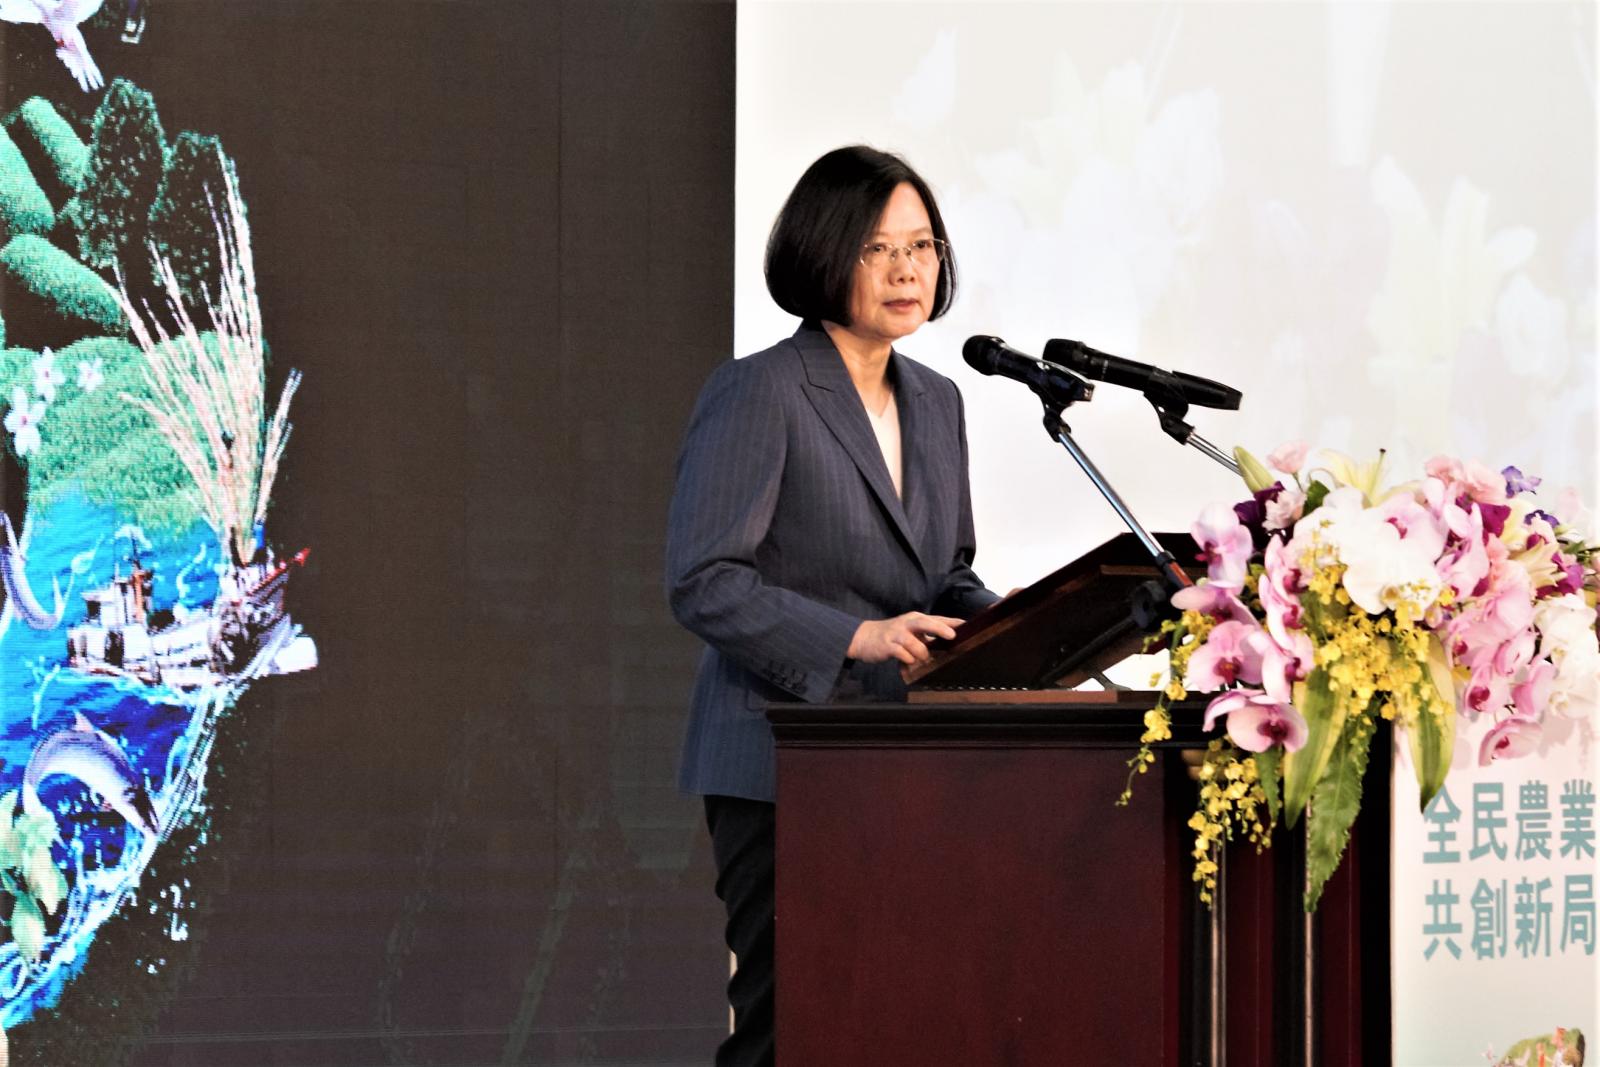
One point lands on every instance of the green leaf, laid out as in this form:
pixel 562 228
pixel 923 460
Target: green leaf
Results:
pixel 1302 769
pixel 1252 470
pixel 1433 736
pixel 1334 809
pixel 1316 492
pixel 1267 771
pixel 27 927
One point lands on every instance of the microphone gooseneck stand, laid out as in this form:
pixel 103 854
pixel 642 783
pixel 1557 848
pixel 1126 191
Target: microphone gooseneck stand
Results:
pixel 1150 601
pixel 1171 407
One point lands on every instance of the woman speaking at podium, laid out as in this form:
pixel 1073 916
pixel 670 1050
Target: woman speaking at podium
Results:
pixel 821 530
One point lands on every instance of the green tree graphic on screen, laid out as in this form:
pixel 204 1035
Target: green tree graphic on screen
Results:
pixel 127 155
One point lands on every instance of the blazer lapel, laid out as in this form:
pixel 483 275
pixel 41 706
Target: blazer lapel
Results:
pixel 914 470
pixel 833 394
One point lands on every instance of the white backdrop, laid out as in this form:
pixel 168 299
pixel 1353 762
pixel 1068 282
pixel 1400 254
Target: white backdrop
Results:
pixel 1377 220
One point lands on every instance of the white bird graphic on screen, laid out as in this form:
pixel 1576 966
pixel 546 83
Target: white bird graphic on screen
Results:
pixel 61 18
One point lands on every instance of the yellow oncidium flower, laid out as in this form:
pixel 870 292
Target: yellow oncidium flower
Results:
pixel 1231 797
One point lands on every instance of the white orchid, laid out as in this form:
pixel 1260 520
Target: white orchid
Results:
pixel 22 422
pixel 1566 637
pixel 1386 570
pixel 47 377
pixel 91 374
pixel 1390 552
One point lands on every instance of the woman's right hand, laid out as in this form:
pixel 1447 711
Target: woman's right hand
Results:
pixel 904 637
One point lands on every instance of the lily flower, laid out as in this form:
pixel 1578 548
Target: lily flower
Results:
pixel 1257 721
pixel 1362 477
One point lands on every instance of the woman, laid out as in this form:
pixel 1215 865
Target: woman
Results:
pixel 821 530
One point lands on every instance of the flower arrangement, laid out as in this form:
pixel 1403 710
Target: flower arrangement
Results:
pixel 1331 603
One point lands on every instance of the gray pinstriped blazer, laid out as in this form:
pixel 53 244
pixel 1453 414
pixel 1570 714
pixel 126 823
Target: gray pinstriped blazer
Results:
pixel 785 533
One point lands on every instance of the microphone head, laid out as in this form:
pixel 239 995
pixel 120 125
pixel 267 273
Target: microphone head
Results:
pixel 982 353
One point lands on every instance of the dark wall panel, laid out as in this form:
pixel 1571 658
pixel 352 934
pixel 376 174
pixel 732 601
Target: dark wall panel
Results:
pixel 496 238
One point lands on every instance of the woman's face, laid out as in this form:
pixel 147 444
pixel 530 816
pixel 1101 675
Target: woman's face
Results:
pixel 892 297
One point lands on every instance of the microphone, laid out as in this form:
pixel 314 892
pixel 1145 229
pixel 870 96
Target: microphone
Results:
pixel 1141 376
pixel 990 355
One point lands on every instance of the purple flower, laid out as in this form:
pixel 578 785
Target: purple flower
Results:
pixel 1252 513
pixel 1537 513
pixel 1517 482
pixel 1571 578
pixel 1494 518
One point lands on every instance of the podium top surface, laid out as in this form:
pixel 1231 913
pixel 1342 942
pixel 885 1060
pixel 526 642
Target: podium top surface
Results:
pixel 999 720
pixel 1058 630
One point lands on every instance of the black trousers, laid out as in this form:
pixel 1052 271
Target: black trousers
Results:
pixel 742 840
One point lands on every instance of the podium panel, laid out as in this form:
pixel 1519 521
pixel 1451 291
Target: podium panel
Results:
pixel 956 886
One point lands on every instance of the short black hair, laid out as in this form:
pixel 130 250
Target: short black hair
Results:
pixel 815 244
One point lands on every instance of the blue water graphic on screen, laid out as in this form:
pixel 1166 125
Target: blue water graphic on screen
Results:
pixel 162 730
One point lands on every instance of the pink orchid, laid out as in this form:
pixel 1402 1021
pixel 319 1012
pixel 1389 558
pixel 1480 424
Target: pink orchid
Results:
pixel 1225 545
pixel 1289 457
pixel 1228 656
pixel 1486 690
pixel 1461 522
pixel 1279 588
pixel 1216 601
pixel 1511 738
pixel 1257 721
pixel 1533 695
pixel 1465 566
pixel 1514 653
pixel 1282 666
pixel 1507 606
pixel 1421 531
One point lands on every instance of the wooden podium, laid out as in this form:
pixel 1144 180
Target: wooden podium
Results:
pixel 957 887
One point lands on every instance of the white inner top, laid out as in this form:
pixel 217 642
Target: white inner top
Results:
pixel 886 424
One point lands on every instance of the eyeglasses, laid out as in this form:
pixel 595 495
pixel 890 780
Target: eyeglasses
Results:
pixel 924 252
